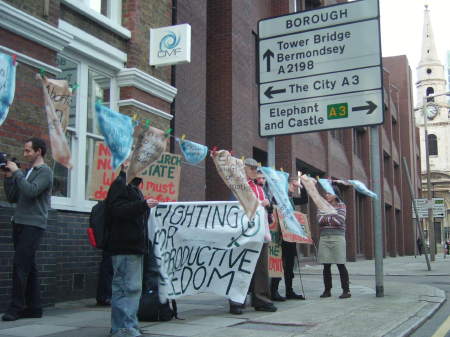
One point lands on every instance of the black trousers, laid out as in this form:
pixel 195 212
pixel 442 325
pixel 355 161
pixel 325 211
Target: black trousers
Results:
pixel 26 292
pixel 289 252
pixel 105 276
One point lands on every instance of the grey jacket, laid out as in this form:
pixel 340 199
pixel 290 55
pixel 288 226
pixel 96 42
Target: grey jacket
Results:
pixel 31 195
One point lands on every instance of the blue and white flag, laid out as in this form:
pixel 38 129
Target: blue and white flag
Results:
pixel 7 84
pixel 194 153
pixel 118 131
pixel 278 185
pixel 361 188
pixel 326 185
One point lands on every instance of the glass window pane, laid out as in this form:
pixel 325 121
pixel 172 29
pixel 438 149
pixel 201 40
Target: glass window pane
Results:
pixel 99 88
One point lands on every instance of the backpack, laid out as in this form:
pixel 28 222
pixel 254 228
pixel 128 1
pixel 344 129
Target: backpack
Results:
pixel 98 229
pixel 150 308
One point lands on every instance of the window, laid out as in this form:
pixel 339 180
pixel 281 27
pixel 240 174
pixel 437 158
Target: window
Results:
pixel 71 187
pixel 432 145
pixel 107 13
pixel 338 134
pixel 430 91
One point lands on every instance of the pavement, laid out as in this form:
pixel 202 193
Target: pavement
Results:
pixel 404 307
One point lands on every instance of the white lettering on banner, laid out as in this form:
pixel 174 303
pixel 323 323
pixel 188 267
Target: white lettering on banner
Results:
pixel 205 247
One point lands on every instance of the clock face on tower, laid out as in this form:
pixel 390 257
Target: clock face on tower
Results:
pixel 431 111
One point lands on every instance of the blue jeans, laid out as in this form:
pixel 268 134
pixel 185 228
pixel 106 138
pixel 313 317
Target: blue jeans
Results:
pixel 126 292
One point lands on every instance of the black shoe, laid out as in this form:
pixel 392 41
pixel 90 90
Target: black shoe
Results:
pixel 293 296
pixel 8 317
pixel 346 294
pixel 326 293
pixel 29 313
pixel 277 297
pixel 269 307
pixel 235 310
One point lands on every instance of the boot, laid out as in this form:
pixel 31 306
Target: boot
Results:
pixel 290 294
pixel 328 283
pixel 274 294
pixel 345 283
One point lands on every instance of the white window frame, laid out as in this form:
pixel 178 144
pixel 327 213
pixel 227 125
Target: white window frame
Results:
pixel 77 200
pixel 113 20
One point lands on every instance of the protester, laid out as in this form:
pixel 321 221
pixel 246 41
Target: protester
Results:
pixel 127 244
pixel 30 190
pixel 288 253
pixel 419 245
pixel 260 281
pixel 332 245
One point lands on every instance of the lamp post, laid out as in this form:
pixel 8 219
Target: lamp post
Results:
pixel 431 235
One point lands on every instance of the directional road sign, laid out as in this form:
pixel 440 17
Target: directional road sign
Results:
pixel 320 69
pixel 438 205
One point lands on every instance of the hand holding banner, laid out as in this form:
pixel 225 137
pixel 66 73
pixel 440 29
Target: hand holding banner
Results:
pixel 58 141
pixel 323 205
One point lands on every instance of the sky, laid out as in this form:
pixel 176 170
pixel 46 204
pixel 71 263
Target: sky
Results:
pixel 401 23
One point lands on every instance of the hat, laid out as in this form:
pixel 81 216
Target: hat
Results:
pixel 250 162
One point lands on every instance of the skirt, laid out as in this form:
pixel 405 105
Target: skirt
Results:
pixel 332 249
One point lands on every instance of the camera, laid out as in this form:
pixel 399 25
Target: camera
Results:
pixel 4 160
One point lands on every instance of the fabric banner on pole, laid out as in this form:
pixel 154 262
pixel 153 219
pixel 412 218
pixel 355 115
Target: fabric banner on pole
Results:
pixel 194 153
pixel 278 185
pixel 7 84
pixel 58 142
pixel 275 250
pixel 118 131
pixel 205 247
pixel 232 172
pixel 150 144
pixel 326 185
pixel 292 237
pixel 361 188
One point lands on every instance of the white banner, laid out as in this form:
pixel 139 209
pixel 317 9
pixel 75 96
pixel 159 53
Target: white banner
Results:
pixel 205 247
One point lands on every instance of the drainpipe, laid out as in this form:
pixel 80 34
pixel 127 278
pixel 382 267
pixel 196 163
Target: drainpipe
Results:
pixel 173 83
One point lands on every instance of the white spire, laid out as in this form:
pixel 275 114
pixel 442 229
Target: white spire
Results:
pixel 429 54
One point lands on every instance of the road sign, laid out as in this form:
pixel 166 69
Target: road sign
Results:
pixel 320 69
pixel 438 205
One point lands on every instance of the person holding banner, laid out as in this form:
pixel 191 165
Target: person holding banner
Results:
pixel 332 244
pixel 289 252
pixel 259 286
pixel 127 244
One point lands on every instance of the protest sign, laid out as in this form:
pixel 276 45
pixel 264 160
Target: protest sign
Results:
pixel 275 250
pixel 232 172
pixel 61 97
pixel 205 247
pixel 118 131
pixel 150 144
pixel 58 142
pixel 7 84
pixel 160 181
pixel 292 237
pixel 194 153
pixel 278 185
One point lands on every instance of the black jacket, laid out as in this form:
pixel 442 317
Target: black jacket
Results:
pixel 128 215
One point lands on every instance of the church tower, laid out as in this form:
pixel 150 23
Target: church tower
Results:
pixel 431 80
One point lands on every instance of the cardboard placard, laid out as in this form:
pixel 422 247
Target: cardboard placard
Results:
pixel 275 251
pixel 160 181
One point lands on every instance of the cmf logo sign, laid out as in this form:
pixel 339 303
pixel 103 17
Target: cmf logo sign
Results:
pixel 168 45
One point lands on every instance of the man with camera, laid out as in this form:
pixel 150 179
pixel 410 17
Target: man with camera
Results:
pixel 30 190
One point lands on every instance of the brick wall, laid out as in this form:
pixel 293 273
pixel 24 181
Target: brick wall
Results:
pixel 67 264
pixel 36 8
